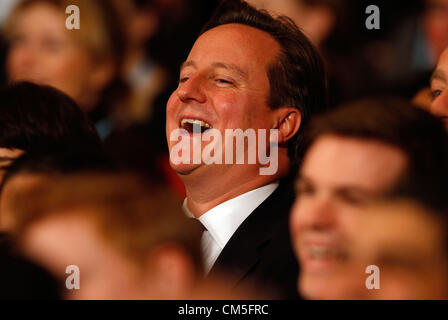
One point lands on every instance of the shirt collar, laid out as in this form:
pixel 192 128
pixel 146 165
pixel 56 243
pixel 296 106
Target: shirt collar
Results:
pixel 223 220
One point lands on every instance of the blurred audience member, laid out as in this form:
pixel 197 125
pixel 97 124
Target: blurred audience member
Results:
pixel 84 63
pixel 316 18
pixel 129 240
pixel 357 153
pixel 407 241
pixel 34 168
pixel 146 77
pixel 439 82
pixel 34 117
pixel 435 22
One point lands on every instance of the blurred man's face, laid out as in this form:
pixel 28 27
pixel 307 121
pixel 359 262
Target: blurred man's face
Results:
pixel 44 51
pixel 408 244
pixel 439 82
pixel 338 176
pixel 224 84
pixel 7 156
pixel 105 273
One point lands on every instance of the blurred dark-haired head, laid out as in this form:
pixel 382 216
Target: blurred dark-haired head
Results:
pixel 34 117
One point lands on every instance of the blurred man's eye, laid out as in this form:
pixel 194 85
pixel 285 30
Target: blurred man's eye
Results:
pixel 436 93
pixel 304 188
pixel 353 198
pixel 17 41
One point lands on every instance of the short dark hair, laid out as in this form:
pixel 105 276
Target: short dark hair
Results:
pixel 393 121
pixel 34 116
pixel 297 77
pixel 62 161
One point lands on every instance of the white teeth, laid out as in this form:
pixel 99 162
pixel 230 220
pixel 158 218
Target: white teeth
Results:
pixel 195 122
pixel 319 252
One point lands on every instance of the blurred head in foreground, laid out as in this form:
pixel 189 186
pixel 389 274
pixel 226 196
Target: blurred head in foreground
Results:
pixel 439 82
pixel 39 166
pixel 355 154
pixel 407 242
pixel 34 117
pixel 129 240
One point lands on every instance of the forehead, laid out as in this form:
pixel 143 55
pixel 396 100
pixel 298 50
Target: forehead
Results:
pixel 337 161
pixel 28 15
pixel 237 44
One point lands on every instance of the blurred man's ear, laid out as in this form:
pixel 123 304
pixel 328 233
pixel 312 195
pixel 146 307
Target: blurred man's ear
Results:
pixel 288 123
pixel 173 272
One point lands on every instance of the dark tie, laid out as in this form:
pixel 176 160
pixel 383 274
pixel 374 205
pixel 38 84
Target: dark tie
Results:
pixel 199 224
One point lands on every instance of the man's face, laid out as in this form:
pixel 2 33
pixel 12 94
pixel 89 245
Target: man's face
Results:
pixel 339 175
pixel 439 82
pixel 7 156
pixel 407 244
pixel 223 83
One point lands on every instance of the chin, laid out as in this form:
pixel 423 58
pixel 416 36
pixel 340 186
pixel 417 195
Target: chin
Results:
pixel 184 169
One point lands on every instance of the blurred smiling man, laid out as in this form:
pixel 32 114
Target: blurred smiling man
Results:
pixel 357 154
pixel 246 71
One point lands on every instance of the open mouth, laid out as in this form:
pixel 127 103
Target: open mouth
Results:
pixel 326 253
pixel 194 125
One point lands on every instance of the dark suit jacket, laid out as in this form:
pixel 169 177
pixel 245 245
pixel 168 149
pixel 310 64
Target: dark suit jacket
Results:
pixel 260 251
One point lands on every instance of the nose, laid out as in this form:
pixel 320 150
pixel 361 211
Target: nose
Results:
pixel 317 214
pixel 439 106
pixel 192 90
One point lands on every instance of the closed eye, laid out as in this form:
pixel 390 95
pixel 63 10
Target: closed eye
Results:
pixel 183 79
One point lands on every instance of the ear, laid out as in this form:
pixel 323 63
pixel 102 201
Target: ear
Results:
pixel 172 270
pixel 288 123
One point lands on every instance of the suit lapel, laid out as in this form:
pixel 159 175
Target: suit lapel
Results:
pixel 244 249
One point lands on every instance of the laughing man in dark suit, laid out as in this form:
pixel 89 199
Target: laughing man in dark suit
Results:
pixel 247 70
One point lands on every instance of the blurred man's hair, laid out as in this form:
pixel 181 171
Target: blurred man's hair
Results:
pixel 297 77
pixel 68 160
pixel 34 116
pixel 414 131
pixel 131 215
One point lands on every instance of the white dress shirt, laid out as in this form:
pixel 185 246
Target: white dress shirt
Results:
pixel 223 220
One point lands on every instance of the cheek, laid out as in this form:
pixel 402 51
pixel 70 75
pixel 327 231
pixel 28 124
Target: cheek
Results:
pixel 171 107
pixel 297 221
pixel 69 70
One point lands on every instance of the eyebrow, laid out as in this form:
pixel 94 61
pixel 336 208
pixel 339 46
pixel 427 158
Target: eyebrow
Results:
pixel 438 74
pixel 228 66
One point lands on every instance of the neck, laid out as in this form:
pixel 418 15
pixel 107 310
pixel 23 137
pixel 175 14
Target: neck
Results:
pixel 203 195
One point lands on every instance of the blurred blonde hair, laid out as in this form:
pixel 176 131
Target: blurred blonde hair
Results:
pixel 100 32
